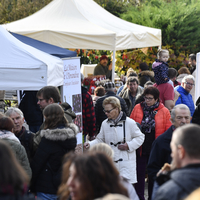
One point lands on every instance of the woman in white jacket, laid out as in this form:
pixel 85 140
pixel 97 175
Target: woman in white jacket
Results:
pixel 123 136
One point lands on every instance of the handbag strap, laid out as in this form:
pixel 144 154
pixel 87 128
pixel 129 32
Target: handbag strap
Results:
pixel 124 132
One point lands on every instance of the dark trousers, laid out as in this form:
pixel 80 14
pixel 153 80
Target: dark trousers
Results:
pixel 142 162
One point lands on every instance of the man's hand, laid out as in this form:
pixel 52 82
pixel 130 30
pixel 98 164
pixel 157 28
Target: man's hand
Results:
pixel 166 168
pixel 123 147
pixel 110 66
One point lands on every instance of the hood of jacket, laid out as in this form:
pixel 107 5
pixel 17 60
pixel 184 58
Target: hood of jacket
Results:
pixel 158 62
pixel 60 134
pixel 190 180
pixel 68 109
pixel 4 134
pixel 146 73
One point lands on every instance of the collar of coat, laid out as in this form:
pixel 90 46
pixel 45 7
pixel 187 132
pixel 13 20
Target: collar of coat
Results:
pixel 61 134
pixel 146 73
pixel 125 93
pixel 123 118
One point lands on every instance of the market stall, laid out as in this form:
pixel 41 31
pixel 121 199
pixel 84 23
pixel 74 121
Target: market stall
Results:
pixel 86 25
pixel 26 68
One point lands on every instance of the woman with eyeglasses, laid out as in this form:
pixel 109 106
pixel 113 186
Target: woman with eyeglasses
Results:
pixel 154 119
pixel 123 136
pixel 184 90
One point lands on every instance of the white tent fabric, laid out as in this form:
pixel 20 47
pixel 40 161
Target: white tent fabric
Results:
pixel 26 68
pixel 84 24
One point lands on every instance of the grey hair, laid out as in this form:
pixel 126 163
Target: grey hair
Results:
pixel 12 110
pixel 190 77
pixel 180 106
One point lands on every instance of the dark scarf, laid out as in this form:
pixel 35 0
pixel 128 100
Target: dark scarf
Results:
pixel 18 135
pixel 115 121
pixel 148 121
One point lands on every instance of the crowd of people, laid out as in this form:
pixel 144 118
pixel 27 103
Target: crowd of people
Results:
pixel 146 132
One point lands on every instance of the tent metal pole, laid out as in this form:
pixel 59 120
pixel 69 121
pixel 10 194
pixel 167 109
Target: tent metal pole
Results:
pixel 113 66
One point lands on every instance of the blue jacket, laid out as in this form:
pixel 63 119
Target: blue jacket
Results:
pixel 185 98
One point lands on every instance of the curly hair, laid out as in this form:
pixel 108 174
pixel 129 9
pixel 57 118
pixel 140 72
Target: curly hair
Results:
pixel 54 116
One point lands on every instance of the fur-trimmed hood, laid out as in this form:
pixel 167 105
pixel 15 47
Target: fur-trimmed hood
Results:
pixel 146 73
pixel 60 134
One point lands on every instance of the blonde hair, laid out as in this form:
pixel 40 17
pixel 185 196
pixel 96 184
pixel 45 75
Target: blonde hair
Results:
pixel 161 51
pixel 114 101
pixel 103 148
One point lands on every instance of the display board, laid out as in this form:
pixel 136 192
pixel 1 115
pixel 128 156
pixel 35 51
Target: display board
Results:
pixel 71 91
pixel 197 81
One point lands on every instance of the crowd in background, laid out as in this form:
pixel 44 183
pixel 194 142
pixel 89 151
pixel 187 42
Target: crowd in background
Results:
pixel 129 134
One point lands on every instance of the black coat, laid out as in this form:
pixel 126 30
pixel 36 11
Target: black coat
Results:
pixel 100 115
pixel 160 153
pixel 196 115
pixel 145 76
pixel 54 145
pixel 26 139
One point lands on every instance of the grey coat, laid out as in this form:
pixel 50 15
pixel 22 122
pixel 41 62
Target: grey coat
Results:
pixel 182 182
pixel 21 155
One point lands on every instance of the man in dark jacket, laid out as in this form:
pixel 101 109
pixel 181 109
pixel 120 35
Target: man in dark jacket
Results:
pixel 25 136
pixel 102 68
pixel 160 150
pixel 186 160
pixel 100 115
pixel 32 113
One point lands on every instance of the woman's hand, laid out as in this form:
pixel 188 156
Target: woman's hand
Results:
pixel 123 147
pixel 86 145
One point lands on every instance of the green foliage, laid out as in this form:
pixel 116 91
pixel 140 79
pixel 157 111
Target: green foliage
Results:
pixel 116 7
pixel 132 58
pixel 12 10
pixel 178 20
pixel 92 56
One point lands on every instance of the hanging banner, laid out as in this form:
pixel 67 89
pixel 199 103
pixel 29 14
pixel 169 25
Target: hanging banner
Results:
pixel 197 80
pixel 71 92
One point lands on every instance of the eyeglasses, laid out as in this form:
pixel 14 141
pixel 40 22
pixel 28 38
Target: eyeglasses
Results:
pixel 148 98
pixel 190 84
pixel 108 111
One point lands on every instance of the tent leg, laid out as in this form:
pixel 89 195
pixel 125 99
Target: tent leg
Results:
pixel 113 67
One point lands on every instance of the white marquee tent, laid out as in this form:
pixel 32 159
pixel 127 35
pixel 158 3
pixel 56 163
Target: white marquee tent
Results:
pixel 26 68
pixel 86 25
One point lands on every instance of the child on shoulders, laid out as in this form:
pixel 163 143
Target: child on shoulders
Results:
pixel 160 67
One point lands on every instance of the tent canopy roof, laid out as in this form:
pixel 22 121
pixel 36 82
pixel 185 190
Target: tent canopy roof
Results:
pixel 84 24
pixel 24 67
pixel 47 48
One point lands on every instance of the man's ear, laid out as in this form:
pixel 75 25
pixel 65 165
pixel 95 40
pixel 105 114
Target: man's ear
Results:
pixel 50 101
pixel 181 151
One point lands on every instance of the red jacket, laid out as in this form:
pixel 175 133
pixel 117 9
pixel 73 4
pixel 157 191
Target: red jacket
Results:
pixel 162 118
